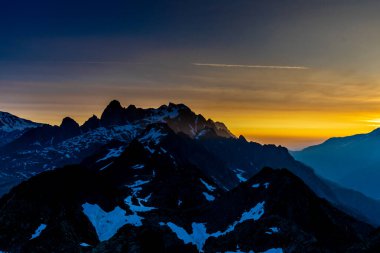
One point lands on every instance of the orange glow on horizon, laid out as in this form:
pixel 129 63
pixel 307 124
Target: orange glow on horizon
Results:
pixel 289 108
pixel 294 130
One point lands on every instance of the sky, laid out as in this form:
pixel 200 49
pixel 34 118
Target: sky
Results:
pixel 292 73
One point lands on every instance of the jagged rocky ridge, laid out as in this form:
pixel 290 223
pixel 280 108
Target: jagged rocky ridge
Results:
pixel 148 196
pixel 48 147
pixel 226 159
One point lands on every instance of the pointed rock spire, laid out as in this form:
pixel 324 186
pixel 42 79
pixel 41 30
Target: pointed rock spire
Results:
pixel 69 123
pixel 114 114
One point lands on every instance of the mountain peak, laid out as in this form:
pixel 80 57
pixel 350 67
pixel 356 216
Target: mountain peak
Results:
pixel 91 123
pixel 113 114
pixel 242 138
pixel 179 106
pixel 131 107
pixel 69 123
pixel 114 104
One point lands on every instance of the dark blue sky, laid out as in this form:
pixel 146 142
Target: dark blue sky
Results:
pixel 38 30
pixel 31 29
pixel 265 32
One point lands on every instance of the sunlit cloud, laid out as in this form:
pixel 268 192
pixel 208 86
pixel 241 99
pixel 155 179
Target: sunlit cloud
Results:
pixel 218 65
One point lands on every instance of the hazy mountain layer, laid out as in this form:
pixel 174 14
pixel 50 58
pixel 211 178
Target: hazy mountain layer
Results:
pixel 351 161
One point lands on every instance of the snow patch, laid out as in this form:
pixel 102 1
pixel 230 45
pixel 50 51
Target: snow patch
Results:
pixel 163 114
pixel 113 152
pixel 106 224
pixel 199 235
pixel 273 230
pixel 239 175
pixel 154 135
pixel 274 250
pixel 138 183
pixel 38 231
pixel 202 133
pixel 209 187
pixel 266 185
pixel 254 213
pixel 138 166
pixel 136 186
pixel 140 207
pixel 208 197
pixel 105 167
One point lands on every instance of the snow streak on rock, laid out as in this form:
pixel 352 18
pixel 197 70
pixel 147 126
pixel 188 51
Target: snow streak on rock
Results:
pixel 38 231
pixel 199 235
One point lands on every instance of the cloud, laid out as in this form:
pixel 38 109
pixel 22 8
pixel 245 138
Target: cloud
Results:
pixel 217 65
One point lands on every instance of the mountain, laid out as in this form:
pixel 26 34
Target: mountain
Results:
pixel 245 159
pixel 179 117
pixel 47 147
pixel 210 146
pixel 351 161
pixel 149 196
pixel 12 127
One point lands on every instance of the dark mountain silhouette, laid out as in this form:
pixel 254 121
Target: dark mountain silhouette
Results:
pixel 91 124
pixel 247 158
pixel 185 147
pixel 149 196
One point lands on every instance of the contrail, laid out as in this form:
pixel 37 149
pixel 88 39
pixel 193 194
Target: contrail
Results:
pixel 248 66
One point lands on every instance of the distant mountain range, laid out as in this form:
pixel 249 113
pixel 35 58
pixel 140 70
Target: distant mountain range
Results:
pixel 168 180
pixel 352 161
pixel 47 147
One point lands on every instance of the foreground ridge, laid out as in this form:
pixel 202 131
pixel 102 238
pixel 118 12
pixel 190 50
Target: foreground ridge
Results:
pixel 151 196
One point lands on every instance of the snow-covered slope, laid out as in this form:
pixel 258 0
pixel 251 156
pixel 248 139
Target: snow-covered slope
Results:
pixel 12 127
pixel 10 123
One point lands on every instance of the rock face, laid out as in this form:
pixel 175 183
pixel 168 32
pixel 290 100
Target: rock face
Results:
pixel 148 196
